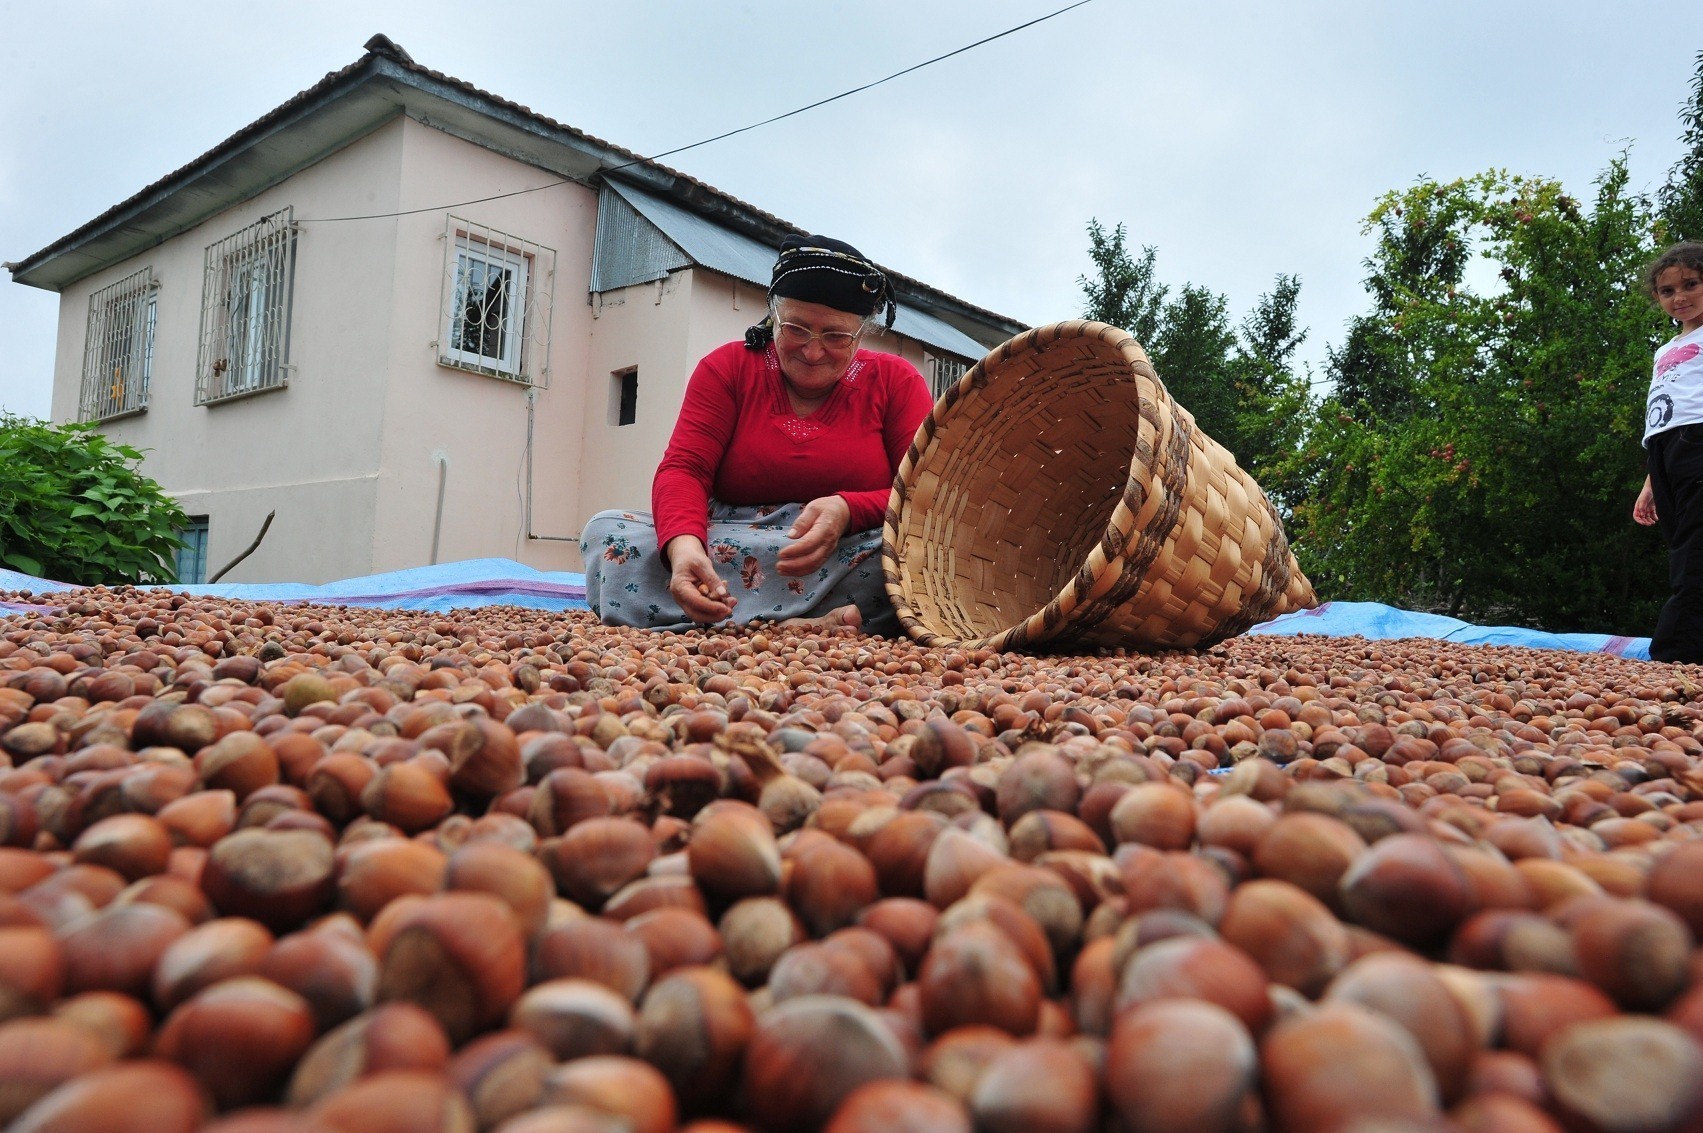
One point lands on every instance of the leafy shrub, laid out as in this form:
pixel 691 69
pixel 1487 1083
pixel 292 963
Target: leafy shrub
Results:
pixel 75 507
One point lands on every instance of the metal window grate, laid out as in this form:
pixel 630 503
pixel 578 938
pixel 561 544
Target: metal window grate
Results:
pixel 494 315
pixel 944 372
pixel 245 310
pixel 118 350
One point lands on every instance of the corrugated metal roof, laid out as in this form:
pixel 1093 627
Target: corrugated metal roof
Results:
pixel 629 249
pixel 627 258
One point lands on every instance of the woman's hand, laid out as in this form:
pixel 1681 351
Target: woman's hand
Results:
pixel 1644 511
pixel 693 582
pixel 814 537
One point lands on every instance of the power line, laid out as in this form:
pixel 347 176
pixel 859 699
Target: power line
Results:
pixel 719 137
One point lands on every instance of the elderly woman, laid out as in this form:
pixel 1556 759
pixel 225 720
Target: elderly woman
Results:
pixel 769 500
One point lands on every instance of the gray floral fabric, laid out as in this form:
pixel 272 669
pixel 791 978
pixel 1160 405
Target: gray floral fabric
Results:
pixel 626 581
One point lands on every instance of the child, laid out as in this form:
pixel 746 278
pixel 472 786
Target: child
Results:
pixel 1673 435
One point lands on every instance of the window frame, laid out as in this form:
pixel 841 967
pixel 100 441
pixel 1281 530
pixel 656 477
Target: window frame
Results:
pixel 618 401
pixel 522 356
pixel 201 526
pixel 131 305
pixel 252 269
pixel 508 360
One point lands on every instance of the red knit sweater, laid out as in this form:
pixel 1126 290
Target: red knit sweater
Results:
pixel 738 440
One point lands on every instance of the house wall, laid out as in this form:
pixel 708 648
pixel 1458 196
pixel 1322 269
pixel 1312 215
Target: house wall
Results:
pixel 662 328
pixel 477 423
pixel 350 452
pixel 308 450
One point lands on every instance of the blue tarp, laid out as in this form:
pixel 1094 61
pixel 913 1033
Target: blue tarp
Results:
pixel 1379 622
pixel 504 582
pixel 475 582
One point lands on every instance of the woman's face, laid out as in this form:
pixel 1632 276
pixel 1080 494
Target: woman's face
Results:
pixel 813 366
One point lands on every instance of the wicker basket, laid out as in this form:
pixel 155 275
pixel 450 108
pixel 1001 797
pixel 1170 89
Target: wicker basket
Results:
pixel 1058 498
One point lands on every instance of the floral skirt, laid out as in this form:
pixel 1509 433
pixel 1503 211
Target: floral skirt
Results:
pixel 626 581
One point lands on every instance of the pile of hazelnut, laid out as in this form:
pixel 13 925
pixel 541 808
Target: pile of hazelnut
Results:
pixel 305 868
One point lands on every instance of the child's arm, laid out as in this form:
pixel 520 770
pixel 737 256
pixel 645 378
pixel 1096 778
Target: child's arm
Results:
pixel 1644 510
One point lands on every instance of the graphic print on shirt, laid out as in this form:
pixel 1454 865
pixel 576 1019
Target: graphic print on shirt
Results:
pixel 1670 360
pixel 1660 412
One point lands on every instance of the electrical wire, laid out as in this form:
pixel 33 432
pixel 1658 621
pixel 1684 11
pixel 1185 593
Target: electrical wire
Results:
pixel 719 137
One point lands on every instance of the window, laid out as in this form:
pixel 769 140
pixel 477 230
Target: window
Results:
pixel 943 372
pixel 245 310
pixel 118 351
pixel 496 304
pixel 192 556
pixel 624 397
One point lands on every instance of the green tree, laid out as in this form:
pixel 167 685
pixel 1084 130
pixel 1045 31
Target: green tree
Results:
pixel 1191 353
pixel 1273 401
pixel 1479 453
pixel 75 507
pixel 1231 379
pixel 1681 199
pixel 1124 293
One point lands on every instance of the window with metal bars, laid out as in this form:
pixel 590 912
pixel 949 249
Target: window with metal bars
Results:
pixel 495 311
pixel 944 372
pixel 118 350
pixel 245 310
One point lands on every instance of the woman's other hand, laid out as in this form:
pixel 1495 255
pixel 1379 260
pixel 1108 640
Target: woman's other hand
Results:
pixel 1644 511
pixel 814 536
pixel 693 582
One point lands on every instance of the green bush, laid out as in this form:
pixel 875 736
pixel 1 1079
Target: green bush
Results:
pixel 75 507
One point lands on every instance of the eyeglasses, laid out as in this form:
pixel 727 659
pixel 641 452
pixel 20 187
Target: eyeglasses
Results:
pixel 836 340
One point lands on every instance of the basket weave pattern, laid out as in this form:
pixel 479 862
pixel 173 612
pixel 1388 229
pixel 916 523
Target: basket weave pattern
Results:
pixel 1059 497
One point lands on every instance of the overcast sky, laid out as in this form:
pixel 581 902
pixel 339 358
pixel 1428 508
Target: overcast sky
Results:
pixel 1240 139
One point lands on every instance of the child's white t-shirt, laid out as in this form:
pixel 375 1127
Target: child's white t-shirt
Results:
pixel 1676 386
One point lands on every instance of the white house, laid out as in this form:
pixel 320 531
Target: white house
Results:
pixel 308 320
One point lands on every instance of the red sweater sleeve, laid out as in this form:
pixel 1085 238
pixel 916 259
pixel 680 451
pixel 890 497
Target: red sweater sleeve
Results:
pixel 908 402
pixel 680 492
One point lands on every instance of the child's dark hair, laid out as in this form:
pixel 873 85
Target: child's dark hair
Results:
pixel 1687 254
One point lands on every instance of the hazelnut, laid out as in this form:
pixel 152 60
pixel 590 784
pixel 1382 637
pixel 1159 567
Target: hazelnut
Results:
pixel 694 1026
pixel 38 1055
pixel 1040 1083
pixel 575 1018
pixel 1302 1059
pixel 594 949
pixel 975 974
pixel 891 1106
pixel 1625 1073
pixel 415 1100
pixel 458 955
pixel 373 874
pixel 807 1054
pixel 733 854
pixel 501 1074
pixel 277 877
pixel 394 1036
pixel 128 1097
pixel 240 1038
pixel 207 954
pixel 617 1085
pixel 1181 1064
pixel 1404 988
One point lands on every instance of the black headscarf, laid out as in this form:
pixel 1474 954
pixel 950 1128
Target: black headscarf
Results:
pixel 817 269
